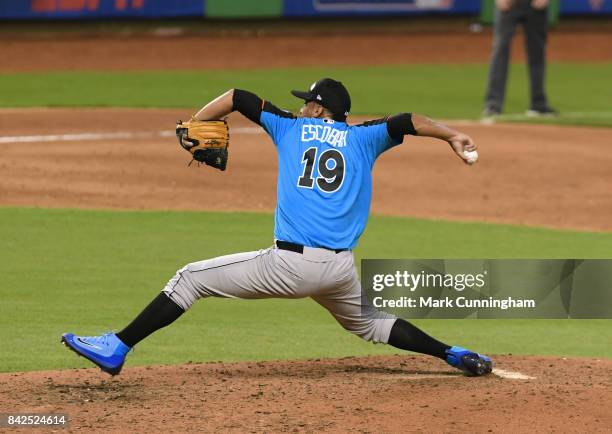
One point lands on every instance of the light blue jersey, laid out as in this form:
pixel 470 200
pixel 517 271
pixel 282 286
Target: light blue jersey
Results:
pixel 325 177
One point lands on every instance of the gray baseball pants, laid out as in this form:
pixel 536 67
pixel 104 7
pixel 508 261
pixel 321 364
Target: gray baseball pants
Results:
pixel 327 277
pixel 535 23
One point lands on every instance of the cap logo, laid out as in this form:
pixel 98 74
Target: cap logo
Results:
pixel 319 97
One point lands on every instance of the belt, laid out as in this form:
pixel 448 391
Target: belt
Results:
pixel 298 248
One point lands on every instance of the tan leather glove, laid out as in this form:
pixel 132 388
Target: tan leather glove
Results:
pixel 207 141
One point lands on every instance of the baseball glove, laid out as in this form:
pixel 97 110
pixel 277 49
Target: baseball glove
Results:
pixel 207 141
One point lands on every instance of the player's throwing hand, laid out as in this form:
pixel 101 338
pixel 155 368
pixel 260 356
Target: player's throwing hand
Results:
pixel 464 147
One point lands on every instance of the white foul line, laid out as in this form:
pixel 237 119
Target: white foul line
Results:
pixel 243 130
pixel 511 375
pixel 107 136
pixel 77 137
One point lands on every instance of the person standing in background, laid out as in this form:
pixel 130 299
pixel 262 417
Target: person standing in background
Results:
pixel 533 15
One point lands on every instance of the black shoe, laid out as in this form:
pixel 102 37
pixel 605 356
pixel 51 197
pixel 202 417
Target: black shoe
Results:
pixel 542 112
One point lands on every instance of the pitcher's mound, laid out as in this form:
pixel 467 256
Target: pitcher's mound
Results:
pixel 368 394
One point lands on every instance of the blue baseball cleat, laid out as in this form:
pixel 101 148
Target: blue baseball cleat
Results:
pixel 106 351
pixel 472 363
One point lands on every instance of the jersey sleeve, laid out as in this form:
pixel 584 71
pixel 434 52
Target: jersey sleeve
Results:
pixel 376 139
pixel 275 121
pixel 382 134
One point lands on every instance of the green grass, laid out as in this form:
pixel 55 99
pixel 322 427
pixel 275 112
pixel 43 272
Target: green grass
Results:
pixel 91 271
pixel 581 91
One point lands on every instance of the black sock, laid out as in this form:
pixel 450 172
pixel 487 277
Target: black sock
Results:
pixel 161 312
pixel 405 336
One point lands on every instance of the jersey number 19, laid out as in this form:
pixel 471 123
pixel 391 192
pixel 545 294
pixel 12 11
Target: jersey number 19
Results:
pixel 330 168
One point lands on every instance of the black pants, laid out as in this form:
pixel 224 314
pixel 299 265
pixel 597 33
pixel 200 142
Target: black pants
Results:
pixel 535 24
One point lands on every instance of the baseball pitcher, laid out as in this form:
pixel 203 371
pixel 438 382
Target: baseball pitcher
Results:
pixel 323 199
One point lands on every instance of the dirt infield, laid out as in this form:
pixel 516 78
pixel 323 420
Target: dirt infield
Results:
pixel 144 53
pixel 374 394
pixel 536 175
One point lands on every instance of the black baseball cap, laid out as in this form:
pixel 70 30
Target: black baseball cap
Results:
pixel 331 94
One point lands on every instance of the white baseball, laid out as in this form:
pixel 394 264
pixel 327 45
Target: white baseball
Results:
pixel 472 156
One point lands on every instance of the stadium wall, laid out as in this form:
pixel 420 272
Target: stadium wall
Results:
pixel 104 9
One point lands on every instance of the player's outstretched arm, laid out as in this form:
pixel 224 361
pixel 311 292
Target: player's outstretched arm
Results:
pixel 218 108
pixel 242 101
pixel 459 142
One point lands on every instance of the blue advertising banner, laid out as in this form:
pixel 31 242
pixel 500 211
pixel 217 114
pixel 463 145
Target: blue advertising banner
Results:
pixel 80 9
pixel 379 7
pixel 71 9
pixel 569 7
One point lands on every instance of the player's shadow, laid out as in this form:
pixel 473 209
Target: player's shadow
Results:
pixel 317 370
pixel 359 369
